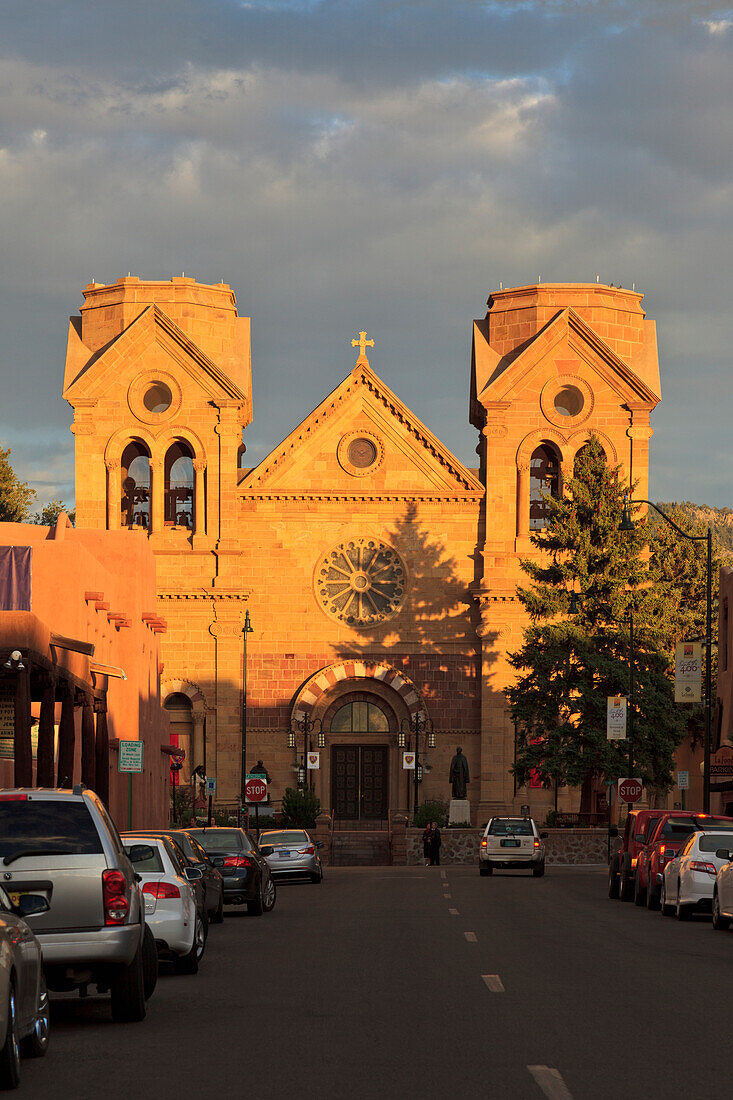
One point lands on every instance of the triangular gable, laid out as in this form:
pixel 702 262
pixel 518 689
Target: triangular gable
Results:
pixel 150 325
pixel 587 344
pixel 284 468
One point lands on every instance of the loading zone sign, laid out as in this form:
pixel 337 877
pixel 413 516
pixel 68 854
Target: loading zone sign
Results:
pixel 131 756
pixel 616 718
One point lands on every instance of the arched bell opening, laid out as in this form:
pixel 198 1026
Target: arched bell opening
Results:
pixel 179 486
pixel 135 484
pixel 544 482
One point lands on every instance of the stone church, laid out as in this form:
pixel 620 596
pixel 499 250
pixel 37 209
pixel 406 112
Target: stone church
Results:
pixel 356 590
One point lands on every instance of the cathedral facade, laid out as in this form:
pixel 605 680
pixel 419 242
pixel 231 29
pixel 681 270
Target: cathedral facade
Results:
pixel 352 597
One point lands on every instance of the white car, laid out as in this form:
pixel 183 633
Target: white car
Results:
pixel 170 900
pixel 512 842
pixel 723 889
pixel 688 881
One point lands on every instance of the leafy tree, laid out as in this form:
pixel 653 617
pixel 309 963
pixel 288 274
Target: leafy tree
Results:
pixel 16 496
pixel 569 664
pixel 300 808
pixel 50 513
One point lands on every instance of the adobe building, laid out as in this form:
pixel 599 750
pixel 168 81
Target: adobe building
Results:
pixel 80 666
pixel 379 573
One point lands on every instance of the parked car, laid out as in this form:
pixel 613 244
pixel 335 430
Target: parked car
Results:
pixel 622 867
pixel 63 845
pixel 291 852
pixel 665 841
pixel 688 880
pixel 723 889
pixel 212 881
pixel 246 872
pixel 170 900
pixel 24 1009
pixel 512 842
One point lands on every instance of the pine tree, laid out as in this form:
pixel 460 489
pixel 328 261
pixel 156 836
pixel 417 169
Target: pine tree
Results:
pixel 569 664
pixel 16 497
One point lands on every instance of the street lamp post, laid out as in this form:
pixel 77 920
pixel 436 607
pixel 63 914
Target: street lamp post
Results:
pixel 627 524
pixel 418 724
pixel 246 629
pixel 305 725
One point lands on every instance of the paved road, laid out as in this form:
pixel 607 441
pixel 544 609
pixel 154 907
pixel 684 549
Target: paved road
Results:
pixel 372 986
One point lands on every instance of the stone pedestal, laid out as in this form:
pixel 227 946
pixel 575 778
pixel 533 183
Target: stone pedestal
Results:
pixel 459 811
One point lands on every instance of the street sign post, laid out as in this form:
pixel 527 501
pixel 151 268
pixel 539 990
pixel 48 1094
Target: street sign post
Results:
pixel 683 781
pixel 255 791
pixel 616 718
pixel 630 790
pixel 210 786
pixel 130 760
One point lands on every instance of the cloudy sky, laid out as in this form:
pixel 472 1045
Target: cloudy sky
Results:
pixel 369 163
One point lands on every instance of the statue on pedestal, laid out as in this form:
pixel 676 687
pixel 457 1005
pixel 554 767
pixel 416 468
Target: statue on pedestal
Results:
pixel 459 776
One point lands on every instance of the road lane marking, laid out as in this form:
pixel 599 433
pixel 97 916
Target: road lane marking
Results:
pixel 471 937
pixel 551 1083
pixel 447 896
pixel 453 912
pixel 443 874
pixel 494 983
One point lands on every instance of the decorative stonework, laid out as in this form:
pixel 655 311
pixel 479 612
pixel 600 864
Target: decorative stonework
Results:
pixel 360 453
pixel 360 581
pixel 567 401
pixel 149 386
pixel 327 678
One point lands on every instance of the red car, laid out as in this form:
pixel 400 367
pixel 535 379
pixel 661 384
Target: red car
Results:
pixel 638 828
pixel 664 843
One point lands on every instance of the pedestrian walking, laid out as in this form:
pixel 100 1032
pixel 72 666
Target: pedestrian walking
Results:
pixel 435 842
pixel 426 840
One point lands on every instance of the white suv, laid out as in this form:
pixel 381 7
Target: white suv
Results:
pixel 512 842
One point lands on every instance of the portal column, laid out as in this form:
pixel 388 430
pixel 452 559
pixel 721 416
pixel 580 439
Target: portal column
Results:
pixel 156 496
pixel 199 518
pixel 523 500
pixel 114 494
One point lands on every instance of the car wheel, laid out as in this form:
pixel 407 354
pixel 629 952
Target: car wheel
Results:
pixel 639 892
pixel 317 879
pixel 484 869
pixel 189 963
pixel 613 879
pixel 269 895
pixel 256 907
pixel 720 923
pixel 10 1054
pixel 539 870
pixel 35 1045
pixel 682 912
pixel 128 992
pixel 652 898
pixel 150 963
pixel 664 907
pixel 218 916
pixel 626 885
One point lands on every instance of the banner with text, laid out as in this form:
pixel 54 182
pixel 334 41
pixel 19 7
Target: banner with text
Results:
pixel 688 672
pixel 616 718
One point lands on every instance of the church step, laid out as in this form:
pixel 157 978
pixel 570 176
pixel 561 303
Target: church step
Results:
pixel 361 849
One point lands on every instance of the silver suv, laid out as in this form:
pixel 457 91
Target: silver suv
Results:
pixel 63 845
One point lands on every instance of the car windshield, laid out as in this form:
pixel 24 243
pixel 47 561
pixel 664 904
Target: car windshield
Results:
pixel 710 842
pixel 47 825
pixel 292 837
pixel 223 840
pixel 154 864
pixel 505 827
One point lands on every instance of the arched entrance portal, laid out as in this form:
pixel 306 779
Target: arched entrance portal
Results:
pixel 359 762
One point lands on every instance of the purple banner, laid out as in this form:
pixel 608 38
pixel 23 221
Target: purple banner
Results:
pixel 15 578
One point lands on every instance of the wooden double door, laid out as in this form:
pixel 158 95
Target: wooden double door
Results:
pixel 359 781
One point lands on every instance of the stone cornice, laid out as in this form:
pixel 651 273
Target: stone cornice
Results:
pixel 203 595
pixel 472 496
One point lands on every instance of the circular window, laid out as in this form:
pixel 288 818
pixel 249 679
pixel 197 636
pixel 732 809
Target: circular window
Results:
pixel 361 581
pixel 158 398
pixel 569 401
pixel 360 453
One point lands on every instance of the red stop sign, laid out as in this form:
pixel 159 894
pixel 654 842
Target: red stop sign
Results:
pixel 255 789
pixel 630 790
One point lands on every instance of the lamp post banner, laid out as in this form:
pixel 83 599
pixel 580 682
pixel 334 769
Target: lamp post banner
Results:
pixel 408 761
pixel 616 718
pixel 688 672
pixel 314 761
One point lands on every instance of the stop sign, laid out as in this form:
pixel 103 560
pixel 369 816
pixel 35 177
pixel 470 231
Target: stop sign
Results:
pixel 255 789
pixel 630 790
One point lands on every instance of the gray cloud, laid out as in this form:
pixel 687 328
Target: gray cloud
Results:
pixel 367 164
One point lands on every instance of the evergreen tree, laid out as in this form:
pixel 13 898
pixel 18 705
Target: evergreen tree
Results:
pixel 16 496
pixel 569 664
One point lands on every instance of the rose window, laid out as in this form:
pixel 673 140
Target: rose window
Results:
pixel 361 581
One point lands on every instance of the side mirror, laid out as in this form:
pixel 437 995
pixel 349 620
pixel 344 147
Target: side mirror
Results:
pixel 722 853
pixel 613 830
pixel 319 844
pixel 266 850
pixel 31 904
pixel 193 874
pixel 139 853
pixel 544 836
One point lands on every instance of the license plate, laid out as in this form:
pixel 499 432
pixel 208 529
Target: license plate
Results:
pixel 16 896
pixel 284 855
pixel 510 843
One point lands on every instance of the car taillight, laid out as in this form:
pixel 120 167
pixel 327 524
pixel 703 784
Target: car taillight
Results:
pixel 536 843
pixel 237 861
pixel 13 797
pixel 484 843
pixel 161 890
pixel 306 851
pixel 698 865
pixel 114 895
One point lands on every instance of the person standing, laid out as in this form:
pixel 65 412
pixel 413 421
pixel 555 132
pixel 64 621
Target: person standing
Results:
pixel 426 842
pixel 435 842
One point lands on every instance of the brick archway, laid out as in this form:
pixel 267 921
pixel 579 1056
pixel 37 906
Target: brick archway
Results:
pixel 309 696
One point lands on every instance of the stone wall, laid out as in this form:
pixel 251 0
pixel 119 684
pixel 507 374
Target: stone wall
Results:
pixel 564 846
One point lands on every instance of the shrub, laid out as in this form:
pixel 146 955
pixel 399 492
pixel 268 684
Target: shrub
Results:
pixel 300 808
pixel 433 810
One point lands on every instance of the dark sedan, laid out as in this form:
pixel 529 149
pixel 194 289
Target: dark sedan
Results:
pixel 246 872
